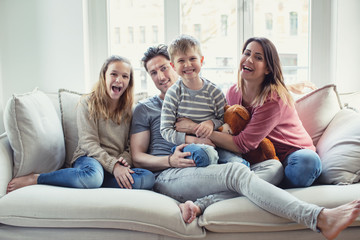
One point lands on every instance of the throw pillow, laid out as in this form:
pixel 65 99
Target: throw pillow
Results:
pixel 339 149
pixel 317 109
pixel 68 103
pixel 35 134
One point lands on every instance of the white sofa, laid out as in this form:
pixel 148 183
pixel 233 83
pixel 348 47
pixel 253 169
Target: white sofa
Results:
pixel 49 212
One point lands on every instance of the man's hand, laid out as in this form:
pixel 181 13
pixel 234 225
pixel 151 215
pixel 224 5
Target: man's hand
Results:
pixel 122 174
pixel 204 129
pixel 179 160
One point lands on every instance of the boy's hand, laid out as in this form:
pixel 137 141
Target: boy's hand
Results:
pixel 179 160
pixel 204 129
pixel 123 176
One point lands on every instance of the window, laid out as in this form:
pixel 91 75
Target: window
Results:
pixel 221 27
pixel 117 35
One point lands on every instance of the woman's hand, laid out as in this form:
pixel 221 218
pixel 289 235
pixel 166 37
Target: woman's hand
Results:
pixel 122 174
pixel 179 160
pixel 185 125
pixel 204 129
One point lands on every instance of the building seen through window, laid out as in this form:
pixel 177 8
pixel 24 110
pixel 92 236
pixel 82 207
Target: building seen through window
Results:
pixel 134 25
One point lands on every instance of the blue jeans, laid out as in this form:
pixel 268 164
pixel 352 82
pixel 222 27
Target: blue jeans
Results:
pixel 87 172
pixel 205 155
pixel 302 168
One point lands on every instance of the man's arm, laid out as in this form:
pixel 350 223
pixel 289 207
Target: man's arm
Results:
pixel 139 143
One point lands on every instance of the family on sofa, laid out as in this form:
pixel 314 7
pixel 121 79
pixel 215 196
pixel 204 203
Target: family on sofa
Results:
pixel 104 118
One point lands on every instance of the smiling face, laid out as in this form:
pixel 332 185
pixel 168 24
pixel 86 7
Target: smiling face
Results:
pixel 161 73
pixel 253 65
pixel 117 78
pixel 188 65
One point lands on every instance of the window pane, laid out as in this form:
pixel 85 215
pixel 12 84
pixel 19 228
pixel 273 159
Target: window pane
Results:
pixel 213 23
pixel 133 27
pixel 285 23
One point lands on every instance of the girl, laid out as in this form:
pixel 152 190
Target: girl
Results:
pixel 103 120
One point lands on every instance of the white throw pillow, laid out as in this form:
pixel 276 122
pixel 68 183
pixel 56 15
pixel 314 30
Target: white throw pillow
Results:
pixel 35 133
pixel 68 103
pixel 339 149
pixel 317 109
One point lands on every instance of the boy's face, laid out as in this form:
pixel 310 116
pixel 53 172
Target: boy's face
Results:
pixel 188 65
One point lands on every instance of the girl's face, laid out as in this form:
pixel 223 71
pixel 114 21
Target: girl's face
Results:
pixel 117 78
pixel 253 65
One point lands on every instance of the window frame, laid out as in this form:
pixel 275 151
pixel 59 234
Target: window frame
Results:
pixel 96 35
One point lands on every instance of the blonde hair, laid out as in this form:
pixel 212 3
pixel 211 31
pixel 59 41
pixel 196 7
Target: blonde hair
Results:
pixel 182 44
pixel 273 83
pixel 99 100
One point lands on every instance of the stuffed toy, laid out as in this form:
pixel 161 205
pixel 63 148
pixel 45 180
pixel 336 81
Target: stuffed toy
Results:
pixel 235 119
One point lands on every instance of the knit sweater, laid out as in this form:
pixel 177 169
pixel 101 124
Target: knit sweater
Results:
pixel 101 139
pixel 274 120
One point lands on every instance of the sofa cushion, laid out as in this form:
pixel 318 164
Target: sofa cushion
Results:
pixel 317 109
pixel 35 133
pixel 68 103
pixel 106 208
pixel 241 215
pixel 339 149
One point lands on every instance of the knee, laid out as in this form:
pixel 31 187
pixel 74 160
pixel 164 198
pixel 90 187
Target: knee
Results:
pixel 91 177
pixel 143 179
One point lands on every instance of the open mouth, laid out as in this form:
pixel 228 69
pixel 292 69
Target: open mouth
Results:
pixel 188 71
pixel 247 68
pixel 164 82
pixel 116 89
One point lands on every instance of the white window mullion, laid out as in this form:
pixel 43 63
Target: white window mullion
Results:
pixel 171 19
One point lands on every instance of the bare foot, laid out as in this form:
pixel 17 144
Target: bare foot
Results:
pixel 23 181
pixel 189 211
pixel 332 221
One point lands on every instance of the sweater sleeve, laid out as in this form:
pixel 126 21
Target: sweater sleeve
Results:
pixel 219 103
pixel 168 117
pixel 263 120
pixel 89 141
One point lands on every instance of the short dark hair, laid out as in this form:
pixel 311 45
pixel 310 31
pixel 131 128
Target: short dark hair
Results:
pixel 151 52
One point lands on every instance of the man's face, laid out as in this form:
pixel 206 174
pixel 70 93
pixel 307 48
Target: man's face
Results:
pixel 161 73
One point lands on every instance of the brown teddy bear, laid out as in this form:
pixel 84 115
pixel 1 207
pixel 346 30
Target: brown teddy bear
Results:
pixel 235 119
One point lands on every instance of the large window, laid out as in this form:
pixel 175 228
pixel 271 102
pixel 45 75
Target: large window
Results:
pixel 220 26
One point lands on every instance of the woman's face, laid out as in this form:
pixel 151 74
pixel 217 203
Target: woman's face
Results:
pixel 253 65
pixel 117 79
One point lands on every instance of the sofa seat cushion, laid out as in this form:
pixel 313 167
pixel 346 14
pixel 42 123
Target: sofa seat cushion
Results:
pixel 241 215
pixel 138 210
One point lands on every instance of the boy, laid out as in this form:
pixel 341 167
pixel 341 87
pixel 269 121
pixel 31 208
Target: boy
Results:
pixel 195 98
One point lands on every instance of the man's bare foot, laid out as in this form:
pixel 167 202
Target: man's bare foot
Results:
pixel 23 181
pixel 332 221
pixel 189 211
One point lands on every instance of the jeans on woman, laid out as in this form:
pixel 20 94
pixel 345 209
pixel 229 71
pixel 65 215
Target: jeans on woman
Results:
pixel 302 168
pixel 87 172
pixel 193 183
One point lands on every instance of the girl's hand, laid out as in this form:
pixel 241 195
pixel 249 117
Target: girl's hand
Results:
pixel 123 162
pixel 123 176
pixel 204 129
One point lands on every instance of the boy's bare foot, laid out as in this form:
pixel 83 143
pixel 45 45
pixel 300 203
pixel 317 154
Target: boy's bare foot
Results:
pixel 332 221
pixel 189 211
pixel 23 181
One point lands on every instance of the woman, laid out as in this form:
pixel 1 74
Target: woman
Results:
pixel 103 120
pixel 261 89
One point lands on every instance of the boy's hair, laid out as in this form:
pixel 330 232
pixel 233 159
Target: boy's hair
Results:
pixel 274 80
pixel 182 44
pixel 151 52
pixel 99 100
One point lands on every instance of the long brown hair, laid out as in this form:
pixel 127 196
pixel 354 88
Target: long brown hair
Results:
pixel 99 100
pixel 273 83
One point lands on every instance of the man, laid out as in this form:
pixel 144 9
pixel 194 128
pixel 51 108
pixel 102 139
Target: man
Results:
pixel 150 151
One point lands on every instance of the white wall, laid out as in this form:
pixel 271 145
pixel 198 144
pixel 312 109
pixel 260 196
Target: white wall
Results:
pixel 41 45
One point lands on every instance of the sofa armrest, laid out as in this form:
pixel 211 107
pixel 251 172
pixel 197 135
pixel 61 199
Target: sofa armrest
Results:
pixel 6 163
